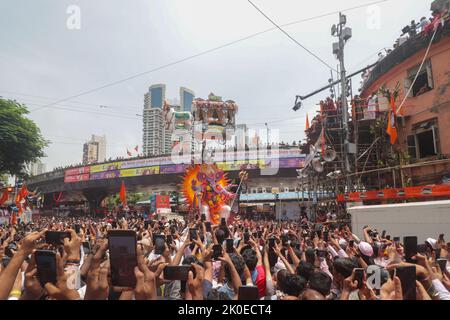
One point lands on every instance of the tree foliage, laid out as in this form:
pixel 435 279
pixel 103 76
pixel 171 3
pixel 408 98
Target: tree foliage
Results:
pixel 21 141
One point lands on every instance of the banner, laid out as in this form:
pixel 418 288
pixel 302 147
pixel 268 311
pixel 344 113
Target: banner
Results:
pixel 77 171
pixel 285 163
pixel 105 167
pixel 163 204
pixel 177 168
pixel 398 193
pixel 104 175
pixel 76 178
pixel 139 171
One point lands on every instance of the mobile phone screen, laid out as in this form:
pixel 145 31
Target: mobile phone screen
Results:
pixel 203 217
pixel 86 247
pixel 222 222
pixel 77 228
pixel 230 245
pixel 56 237
pixel 208 226
pixel 383 234
pixel 217 251
pixel 438 253
pixel 248 293
pixel 177 272
pixel 46 266
pixel 325 236
pixel 407 275
pixel 5 261
pixel 359 276
pixel 246 237
pixel 123 258
pixel 271 243
pixel 442 264
pixel 410 244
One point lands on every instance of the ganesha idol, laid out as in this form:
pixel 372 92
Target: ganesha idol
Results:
pixel 206 189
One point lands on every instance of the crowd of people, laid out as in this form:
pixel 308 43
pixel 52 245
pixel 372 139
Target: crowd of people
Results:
pixel 235 260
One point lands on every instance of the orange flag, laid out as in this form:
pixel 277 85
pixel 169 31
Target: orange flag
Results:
pixel 23 192
pixel 123 194
pixel 307 122
pixel 4 197
pixel 391 127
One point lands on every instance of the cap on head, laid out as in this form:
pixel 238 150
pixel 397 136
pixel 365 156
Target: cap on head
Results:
pixel 365 248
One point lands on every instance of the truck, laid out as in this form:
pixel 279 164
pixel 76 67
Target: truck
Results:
pixel 421 219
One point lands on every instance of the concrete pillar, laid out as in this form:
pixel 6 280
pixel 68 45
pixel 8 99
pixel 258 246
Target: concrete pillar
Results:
pixel 94 198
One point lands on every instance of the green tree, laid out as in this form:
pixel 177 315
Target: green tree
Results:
pixel 21 141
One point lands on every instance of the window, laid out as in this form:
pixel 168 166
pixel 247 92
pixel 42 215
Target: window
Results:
pixel 424 142
pixel 424 82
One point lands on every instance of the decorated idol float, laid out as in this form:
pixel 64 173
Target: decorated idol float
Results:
pixel 205 187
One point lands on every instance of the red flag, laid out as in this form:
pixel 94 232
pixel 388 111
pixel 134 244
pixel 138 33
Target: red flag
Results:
pixel 4 197
pixel 391 127
pixel 136 149
pixel 307 122
pixel 129 153
pixel 23 191
pixel 123 194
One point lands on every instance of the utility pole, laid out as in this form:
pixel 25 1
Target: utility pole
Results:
pixel 343 34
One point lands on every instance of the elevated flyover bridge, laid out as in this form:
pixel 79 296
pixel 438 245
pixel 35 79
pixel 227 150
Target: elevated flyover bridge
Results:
pixel 97 181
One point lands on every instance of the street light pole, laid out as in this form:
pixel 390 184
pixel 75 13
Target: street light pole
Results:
pixel 344 34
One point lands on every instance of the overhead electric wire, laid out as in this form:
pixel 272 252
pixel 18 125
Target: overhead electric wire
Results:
pixel 290 37
pixel 203 53
pixel 100 105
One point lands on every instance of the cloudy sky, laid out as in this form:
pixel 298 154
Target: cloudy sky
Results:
pixel 43 61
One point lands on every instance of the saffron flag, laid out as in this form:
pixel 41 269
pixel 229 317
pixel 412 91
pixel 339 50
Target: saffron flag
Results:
pixel 391 127
pixel 129 153
pixel 307 122
pixel 4 197
pixel 123 194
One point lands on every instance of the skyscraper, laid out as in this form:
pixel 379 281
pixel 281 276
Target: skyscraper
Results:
pixel 156 139
pixel 241 138
pixel 37 168
pixel 94 150
pixel 186 98
pixel 153 120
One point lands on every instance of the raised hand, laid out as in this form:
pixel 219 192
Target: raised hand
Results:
pixel 195 285
pixel 33 288
pixel 72 246
pixel 97 287
pixel 392 290
pixel 60 291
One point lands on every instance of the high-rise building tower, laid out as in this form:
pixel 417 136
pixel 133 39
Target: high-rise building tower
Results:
pixel 37 168
pixel 153 120
pixel 156 138
pixel 94 150
pixel 186 98
pixel 241 138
